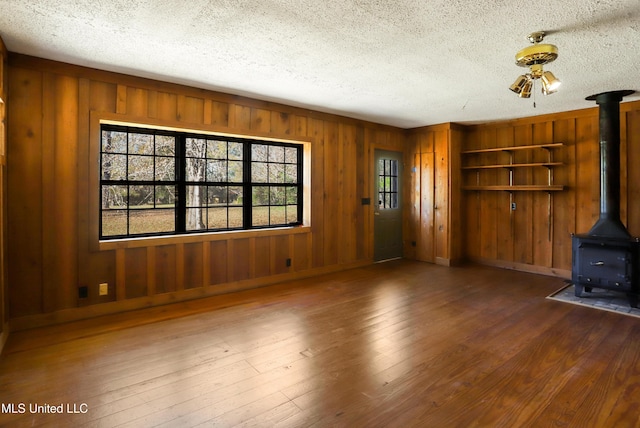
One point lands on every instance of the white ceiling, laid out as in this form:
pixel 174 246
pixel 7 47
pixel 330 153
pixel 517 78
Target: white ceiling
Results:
pixel 406 63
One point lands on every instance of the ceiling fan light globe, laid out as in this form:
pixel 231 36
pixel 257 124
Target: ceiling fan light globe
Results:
pixel 520 82
pixel 526 89
pixel 549 83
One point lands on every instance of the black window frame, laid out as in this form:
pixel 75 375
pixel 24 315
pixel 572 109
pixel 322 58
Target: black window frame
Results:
pixel 181 183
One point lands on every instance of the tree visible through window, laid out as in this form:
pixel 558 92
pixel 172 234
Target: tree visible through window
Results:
pixel 155 182
pixel 388 184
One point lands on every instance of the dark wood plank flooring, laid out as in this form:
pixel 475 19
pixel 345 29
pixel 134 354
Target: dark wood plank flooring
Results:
pixel 397 344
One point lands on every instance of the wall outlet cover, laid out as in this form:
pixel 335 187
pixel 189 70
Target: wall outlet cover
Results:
pixel 103 289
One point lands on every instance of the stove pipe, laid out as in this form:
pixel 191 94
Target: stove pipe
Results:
pixel 609 223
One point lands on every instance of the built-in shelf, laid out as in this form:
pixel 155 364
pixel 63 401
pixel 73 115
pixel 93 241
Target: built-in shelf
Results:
pixel 520 187
pixel 514 165
pixel 478 158
pixel 514 148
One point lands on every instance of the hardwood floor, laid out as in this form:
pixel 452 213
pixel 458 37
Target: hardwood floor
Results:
pixel 397 344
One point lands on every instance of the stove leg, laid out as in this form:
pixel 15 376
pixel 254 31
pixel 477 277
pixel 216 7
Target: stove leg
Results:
pixel 633 300
pixel 588 289
pixel 577 290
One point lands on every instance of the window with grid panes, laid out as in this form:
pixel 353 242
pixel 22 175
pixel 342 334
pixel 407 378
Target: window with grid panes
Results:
pixel 156 182
pixel 388 184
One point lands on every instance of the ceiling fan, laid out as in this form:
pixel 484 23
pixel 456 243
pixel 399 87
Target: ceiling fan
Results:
pixel 535 57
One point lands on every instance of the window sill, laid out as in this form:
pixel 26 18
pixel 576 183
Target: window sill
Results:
pixel 155 241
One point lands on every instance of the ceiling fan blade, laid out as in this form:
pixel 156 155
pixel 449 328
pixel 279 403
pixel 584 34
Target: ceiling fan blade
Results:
pixel 631 15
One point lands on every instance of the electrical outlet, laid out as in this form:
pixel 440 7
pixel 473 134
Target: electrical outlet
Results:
pixel 288 262
pixel 513 206
pixel 83 292
pixel 103 289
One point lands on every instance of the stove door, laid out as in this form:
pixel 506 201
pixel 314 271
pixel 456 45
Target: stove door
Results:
pixel 605 265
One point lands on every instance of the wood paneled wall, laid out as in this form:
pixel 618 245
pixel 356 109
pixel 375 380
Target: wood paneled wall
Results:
pixel 536 236
pixel 433 216
pixel 4 300
pixel 51 235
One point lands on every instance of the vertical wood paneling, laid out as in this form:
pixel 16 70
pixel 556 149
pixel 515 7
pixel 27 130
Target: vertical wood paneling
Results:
pixel 190 109
pixel 542 235
pixel 587 177
pixel 135 272
pixel 137 102
pixel 633 172
pixel 260 120
pixel 425 240
pixel 437 152
pixel 488 200
pixel 316 131
pixel 411 220
pixel 151 270
pixel 361 211
pixel 219 113
pixel 51 142
pixel 441 208
pixel 165 269
pixel 523 237
pixel 152 104
pixel 218 262
pixel 240 117
pixel 281 252
pixel 180 266
pixel 564 202
pixel 121 100
pixel 505 215
pixel 206 267
pixel 102 267
pixel 25 209
pixel 102 97
pixel 455 234
pixel 206 112
pixel 262 253
pixel 49 191
pixel 542 222
pixel 193 265
pixel 121 274
pixel 167 106
pixel 280 123
pixel 66 190
pixel 85 89
pixel 623 167
pixel 347 194
pixel 301 260
pixel 425 237
pixel 241 263
pixel 472 225
pixel 332 176
pixel 4 292
pixel 301 126
pixel 50 277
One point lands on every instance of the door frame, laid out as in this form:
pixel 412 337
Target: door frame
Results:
pixel 374 193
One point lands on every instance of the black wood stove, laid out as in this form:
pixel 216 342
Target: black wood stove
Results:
pixel 608 256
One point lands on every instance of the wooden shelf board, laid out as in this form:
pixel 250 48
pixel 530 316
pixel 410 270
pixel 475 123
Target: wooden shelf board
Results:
pixel 514 148
pixel 514 165
pixel 516 188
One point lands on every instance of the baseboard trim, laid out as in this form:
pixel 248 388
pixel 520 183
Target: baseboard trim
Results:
pixel 110 308
pixel 524 267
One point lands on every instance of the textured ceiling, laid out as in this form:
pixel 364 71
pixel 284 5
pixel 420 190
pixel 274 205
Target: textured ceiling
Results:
pixel 406 63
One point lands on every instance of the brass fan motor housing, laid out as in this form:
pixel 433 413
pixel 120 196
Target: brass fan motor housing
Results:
pixel 536 54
